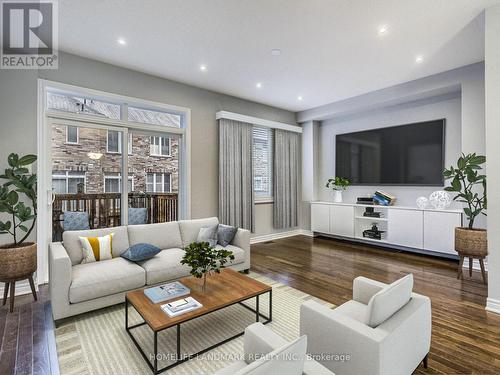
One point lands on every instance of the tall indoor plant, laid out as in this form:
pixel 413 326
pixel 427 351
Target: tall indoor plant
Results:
pixel 470 187
pixel 17 194
pixel 337 185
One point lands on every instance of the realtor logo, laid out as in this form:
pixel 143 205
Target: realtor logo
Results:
pixel 29 35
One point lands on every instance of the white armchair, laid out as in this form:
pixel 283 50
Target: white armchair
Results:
pixel 383 330
pixel 268 353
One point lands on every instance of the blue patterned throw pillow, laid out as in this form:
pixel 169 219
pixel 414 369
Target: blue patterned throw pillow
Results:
pixel 75 220
pixel 140 251
pixel 225 234
pixel 137 216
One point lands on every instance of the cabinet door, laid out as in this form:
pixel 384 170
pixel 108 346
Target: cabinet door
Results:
pixel 342 220
pixel 439 231
pixel 320 218
pixel 405 228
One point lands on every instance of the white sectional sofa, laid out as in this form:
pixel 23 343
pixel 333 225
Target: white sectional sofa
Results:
pixel 76 288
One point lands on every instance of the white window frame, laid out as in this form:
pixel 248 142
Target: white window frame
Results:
pixel 118 177
pixel 66 176
pixel 68 142
pixel 151 146
pixel 46 117
pixel 265 198
pixel 130 140
pixel 162 181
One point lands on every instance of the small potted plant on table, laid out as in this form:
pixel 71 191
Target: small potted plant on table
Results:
pixel 18 260
pixel 205 259
pixel 337 186
pixel 470 188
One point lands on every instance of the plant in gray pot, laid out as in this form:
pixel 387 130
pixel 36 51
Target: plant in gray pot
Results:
pixel 18 260
pixel 470 187
pixel 205 259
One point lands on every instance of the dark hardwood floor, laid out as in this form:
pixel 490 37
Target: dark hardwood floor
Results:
pixel 465 337
pixel 27 342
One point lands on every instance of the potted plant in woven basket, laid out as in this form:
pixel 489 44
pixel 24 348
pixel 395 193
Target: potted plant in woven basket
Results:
pixel 18 260
pixel 470 187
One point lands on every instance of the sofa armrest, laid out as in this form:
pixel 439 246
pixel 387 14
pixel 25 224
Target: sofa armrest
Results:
pixel 259 341
pixel 339 342
pixel 242 240
pixel 59 277
pixel 363 289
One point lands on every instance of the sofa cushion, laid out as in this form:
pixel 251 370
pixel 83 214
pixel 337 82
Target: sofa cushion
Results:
pixel 95 249
pixel 99 279
pixel 140 252
pixel 353 309
pixel 389 301
pixel 162 235
pixel 208 234
pixel 288 359
pixel 239 254
pixel 190 228
pixel 71 241
pixel 165 266
pixel 225 234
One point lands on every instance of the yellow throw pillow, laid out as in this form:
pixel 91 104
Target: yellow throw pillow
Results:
pixel 97 248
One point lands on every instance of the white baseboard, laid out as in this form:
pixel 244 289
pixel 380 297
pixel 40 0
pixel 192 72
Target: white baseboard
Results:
pixel 493 305
pixel 22 287
pixel 276 236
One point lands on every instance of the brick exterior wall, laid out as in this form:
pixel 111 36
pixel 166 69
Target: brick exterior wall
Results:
pixel 74 157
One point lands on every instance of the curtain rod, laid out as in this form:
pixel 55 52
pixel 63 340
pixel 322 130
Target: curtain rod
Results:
pixel 257 121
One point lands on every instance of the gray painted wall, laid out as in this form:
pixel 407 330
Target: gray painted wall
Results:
pixel 448 109
pixel 492 62
pixel 18 108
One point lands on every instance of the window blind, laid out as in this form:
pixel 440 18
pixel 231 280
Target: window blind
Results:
pixel 262 154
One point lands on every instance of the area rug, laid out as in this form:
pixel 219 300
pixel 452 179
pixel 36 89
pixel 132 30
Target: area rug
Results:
pixel 97 343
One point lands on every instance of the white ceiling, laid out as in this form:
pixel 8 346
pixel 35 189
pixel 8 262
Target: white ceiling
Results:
pixel 331 49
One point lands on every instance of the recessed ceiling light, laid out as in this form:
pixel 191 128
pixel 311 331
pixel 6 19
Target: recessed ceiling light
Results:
pixel 299 98
pixel 419 59
pixel 275 52
pixel 383 29
pixel 258 85
pixel 121 41
pixel 203 67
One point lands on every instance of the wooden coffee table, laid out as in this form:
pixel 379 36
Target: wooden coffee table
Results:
pixel 223 290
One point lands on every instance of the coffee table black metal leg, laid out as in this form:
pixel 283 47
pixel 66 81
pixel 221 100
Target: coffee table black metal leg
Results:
pixel 126 314
pixel 155 360
pixel 178 342
pixel 270 306
pixel 257 309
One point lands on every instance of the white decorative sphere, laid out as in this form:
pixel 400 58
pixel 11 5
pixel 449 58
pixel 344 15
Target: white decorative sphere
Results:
pixel 422 202
pixel 440 200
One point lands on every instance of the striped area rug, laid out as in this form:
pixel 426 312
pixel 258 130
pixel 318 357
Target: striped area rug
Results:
pixel 97 343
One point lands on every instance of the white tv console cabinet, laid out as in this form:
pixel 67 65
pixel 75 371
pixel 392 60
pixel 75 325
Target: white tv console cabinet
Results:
pixel 408 228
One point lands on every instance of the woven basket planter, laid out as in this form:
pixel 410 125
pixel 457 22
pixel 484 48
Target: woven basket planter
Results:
pixel 17 262
pixel 471 242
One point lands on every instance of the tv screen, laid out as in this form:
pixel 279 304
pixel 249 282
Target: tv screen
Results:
pixel 411 154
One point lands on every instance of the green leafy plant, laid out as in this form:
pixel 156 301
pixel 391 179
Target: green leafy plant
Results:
pixel 337 183
pixel 465 180
pixel 19 183
pixel 205 259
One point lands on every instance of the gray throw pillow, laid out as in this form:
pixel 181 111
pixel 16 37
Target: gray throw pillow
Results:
pixel 225 234
pixel 140 251
pixel 208 234
pixel 75 220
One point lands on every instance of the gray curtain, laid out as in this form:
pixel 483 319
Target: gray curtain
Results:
pixel 286 178
pixel 236 200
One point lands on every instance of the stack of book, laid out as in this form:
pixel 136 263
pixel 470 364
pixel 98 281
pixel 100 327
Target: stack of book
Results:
pixel 167 291
pixel 384 199
pixel 181 306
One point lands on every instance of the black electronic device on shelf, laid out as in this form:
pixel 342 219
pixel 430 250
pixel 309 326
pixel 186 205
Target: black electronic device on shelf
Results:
pixel 365 200
pixel 370 212
pixel 373 233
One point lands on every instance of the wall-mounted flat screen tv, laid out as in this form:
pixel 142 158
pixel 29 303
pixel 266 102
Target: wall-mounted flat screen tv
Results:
pixel 411 154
